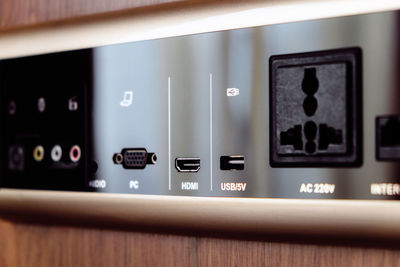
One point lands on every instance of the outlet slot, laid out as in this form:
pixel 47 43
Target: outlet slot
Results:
pixel 329 135
pixel 310 132
pixel 292 137
pixel 310 86
pixel 315 109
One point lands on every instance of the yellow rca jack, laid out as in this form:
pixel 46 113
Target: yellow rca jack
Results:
pixel 38 153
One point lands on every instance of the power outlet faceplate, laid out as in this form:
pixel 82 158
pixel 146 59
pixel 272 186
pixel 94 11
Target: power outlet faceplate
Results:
pixel 315 109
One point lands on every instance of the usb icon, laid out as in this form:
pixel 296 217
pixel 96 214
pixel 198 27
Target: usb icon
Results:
pixel 232 91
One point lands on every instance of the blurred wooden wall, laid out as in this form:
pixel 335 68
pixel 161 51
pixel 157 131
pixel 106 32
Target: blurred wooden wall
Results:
pixel 49 245
pixel 32 245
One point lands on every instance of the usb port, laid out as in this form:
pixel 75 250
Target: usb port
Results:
pixel 187 164
pixel 234 162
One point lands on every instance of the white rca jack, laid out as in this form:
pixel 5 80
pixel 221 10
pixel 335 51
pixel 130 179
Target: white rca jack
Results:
pixel 56 153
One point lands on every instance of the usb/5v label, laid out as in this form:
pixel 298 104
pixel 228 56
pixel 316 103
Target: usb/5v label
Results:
pixel 233 186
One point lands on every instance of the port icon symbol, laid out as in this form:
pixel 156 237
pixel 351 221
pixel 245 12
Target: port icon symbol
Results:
pixel 41 104
pixel 73 104
pixel 232 91
pixel 127 99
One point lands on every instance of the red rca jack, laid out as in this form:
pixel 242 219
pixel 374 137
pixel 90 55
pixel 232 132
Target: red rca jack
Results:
pixel 75 153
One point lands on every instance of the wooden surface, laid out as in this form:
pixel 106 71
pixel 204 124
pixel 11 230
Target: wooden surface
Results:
pixel 34 245
pixel 19 13
pixel 15 14
pixel 31 245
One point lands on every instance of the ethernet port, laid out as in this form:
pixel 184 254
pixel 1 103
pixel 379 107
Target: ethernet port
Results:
pixel 388 137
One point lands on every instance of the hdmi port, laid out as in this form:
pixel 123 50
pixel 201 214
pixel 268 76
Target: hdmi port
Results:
pixel 187 164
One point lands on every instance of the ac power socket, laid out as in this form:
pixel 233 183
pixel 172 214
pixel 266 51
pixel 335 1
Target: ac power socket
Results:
pixel 315 109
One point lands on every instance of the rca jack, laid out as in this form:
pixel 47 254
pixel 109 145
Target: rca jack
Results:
pixel 38 153
pixel 75 153
pixel 56 153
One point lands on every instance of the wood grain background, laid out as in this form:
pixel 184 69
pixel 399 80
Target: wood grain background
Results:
pixel 20 13
pixel 49 245
pixel 31 245
pixel 15 14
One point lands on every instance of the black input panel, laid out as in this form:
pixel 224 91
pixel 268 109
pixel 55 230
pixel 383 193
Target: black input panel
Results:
pixel 315 109
pixel 45 120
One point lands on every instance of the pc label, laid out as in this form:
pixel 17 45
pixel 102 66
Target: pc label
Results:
pixel 133 184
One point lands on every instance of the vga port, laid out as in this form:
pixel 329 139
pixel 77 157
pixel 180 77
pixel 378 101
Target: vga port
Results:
pixel 134 158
